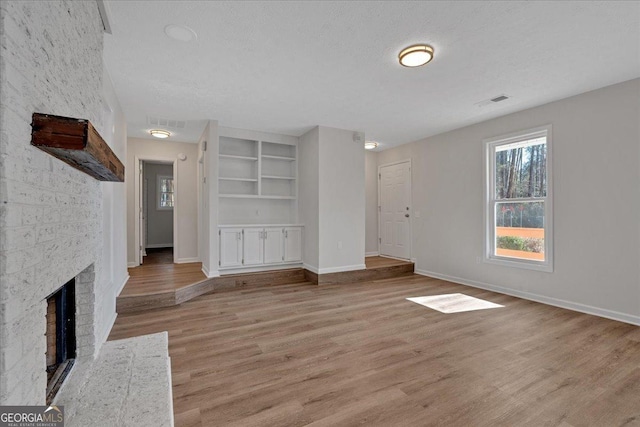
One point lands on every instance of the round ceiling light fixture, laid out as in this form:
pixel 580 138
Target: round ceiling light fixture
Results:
pixel 370 145
pixel 180 33
pixel 416 55
pixel 159 133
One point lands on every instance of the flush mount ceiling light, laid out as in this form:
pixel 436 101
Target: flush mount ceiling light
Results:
pixel 180 33
pixel 416 55
pixel 370 145
pixel 159 133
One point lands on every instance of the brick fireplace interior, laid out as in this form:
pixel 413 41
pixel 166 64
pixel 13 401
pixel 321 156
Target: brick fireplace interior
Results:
pixel 61 336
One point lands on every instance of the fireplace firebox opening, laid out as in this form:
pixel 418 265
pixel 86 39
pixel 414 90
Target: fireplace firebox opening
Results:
pixel 61 336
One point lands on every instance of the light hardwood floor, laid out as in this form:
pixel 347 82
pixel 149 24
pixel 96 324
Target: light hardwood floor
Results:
pixel 154 278
pixel 360 354
pixel 159 256
pixel 158 275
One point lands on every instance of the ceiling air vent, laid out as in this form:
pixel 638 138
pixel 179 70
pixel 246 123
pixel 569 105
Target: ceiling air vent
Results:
pixel 166 123
pixel 493 100
pixel 499 98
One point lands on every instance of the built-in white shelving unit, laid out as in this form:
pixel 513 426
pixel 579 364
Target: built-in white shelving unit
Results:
pixel 257 201
pixel 238 167
pixel 257 169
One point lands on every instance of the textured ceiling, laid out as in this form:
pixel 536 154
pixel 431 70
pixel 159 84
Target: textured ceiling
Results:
pixel 285 67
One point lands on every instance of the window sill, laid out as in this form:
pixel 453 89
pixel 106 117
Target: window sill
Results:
pixel 519 263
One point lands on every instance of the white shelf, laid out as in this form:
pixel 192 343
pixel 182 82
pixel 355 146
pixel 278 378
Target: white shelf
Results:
pixel 292 178
pixel 255 196
pixel 230 156
pixel 258 225
pixel 289 159
pixel 238 179
pixel 279 197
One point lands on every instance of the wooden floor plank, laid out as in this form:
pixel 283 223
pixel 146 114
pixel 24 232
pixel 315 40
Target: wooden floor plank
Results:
pixel 361 354
pixel 160 283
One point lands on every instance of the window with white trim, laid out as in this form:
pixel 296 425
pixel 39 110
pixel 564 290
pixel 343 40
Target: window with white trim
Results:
pixel 165 192
pixel 519 215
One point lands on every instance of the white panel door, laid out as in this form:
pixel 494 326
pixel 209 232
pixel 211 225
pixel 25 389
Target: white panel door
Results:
pixel 273 245
pixel 386 210
pixel 395 209
pixel 292 244
pixel 253 246
pixel 230 247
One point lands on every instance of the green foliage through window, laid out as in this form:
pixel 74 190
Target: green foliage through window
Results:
pixel 527 244
pixel 521 169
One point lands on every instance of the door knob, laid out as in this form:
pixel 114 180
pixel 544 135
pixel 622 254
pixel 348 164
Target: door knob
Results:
pixel 406 215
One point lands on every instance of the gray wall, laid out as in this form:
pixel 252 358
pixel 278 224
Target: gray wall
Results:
pixel 308 197
pixel 208 234
pixel 596 183
pixel 332 200
pixel 371 196
pixel 342 201
pixel 159 221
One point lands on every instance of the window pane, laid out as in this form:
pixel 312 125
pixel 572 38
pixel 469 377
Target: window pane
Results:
pixel 165 192
pixel 521 169
pixel 519 230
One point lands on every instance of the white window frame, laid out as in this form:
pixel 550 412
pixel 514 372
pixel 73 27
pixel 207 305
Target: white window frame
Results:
pixel 490 201
pixel 159 193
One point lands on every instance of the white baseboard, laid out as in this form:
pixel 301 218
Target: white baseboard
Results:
pixel 341 269
pixel 124 282
pixel 187 260
pixel 107 331
pixel 159 245
pixel 317 270
pixel 259 268
pixel 582 308
pixel 132 264
pixel 210 274
pixel 399 259
pixel 311 268
pixel 368 254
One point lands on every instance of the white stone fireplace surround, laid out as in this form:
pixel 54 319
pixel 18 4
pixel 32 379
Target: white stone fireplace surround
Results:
pixel 56 223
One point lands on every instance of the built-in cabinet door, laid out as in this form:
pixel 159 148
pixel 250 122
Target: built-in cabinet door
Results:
pixel 292 244
pixel 273 245
pixel 230 247
pixel 253 246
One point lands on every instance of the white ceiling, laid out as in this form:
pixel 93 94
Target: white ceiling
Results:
pixel 285 67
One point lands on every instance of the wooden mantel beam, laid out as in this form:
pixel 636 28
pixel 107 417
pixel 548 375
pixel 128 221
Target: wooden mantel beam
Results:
pixel 77 143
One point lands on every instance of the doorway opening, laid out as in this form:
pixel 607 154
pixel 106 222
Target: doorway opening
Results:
pixel 156 200
pixel 158 256
pixel 394 205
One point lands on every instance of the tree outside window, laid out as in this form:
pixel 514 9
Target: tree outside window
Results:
pixel 165 192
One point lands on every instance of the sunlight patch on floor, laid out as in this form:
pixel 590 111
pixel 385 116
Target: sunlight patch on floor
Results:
pixel 454 303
